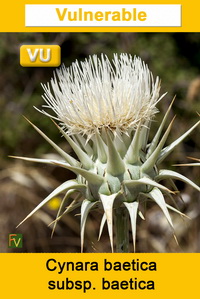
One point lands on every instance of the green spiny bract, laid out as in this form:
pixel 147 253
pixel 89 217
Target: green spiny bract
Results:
pixel 117 165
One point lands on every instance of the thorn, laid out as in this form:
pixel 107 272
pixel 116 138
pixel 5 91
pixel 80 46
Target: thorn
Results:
pixel 176 240
pixel 108 201
pixel 85 208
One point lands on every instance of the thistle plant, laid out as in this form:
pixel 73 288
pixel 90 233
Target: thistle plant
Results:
pixel 104 110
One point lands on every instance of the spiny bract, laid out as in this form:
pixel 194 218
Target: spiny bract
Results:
pixel 105 111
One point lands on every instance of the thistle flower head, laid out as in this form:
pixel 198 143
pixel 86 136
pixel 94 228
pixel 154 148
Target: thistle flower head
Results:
pixel 107 107
pixel 97 93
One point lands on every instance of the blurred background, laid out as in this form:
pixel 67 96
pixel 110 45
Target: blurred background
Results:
pixel 175 58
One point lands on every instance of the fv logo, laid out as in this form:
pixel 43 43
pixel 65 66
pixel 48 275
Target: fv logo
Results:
pixel 15 241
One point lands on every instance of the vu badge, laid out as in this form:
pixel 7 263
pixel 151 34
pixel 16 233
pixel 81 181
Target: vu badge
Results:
pixel 40 55
pixel 15 241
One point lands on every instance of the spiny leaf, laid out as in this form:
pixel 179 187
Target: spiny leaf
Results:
pixel 72 184
pixel 63 154
pixel 108 201
pixel 145 181
pixel 84 144
pixel 115 164
pixel 141 215
pixel 119 144
pixel 156 138
pixel 85 208
pixel 171 198
pixel 176 190
pixel 177 211
pixel 126 137
pixel 37 160
pixel 143 139
pixel 60 209
pixel 168 149
pixel 158 197
pixel 151 161
pixel 164 174
pixel 192 158
pixel 132 154
pixel 103 221
pixel 83 157
pixel 132 208
pixel 101 148
pixel 187 164
pixel 90 176
pixel 72 206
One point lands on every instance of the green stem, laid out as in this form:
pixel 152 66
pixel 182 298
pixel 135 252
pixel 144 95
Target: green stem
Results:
pixel 121 229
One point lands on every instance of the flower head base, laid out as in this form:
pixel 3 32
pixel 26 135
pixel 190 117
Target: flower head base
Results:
pixel 98 94
pixel 107 108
